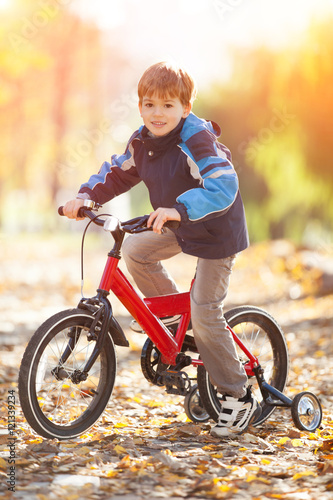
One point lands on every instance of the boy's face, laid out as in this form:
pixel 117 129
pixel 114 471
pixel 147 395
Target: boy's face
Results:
pixel 162 115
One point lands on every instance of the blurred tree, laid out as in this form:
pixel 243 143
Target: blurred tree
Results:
pixel 275 114
pixel 56 94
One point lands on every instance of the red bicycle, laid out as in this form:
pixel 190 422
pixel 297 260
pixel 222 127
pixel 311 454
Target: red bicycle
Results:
pixel 68 369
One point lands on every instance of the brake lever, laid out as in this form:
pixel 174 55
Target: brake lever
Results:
pixel 137 225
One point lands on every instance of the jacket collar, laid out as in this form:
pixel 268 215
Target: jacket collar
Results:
pixel 160 144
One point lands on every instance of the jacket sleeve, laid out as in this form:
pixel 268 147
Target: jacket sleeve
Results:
pixel 113 178
pixel 210 163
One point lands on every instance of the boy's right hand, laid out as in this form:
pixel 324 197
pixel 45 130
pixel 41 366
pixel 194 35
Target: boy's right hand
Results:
pixel 71 208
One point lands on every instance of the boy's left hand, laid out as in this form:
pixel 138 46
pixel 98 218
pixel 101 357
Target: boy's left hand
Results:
pixel 158 218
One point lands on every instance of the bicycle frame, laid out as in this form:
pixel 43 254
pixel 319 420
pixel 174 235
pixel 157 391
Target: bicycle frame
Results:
pixel 147 312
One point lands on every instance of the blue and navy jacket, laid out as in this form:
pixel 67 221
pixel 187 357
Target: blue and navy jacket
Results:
pixel 187 169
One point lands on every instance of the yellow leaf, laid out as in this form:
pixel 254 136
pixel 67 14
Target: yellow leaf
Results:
pixel 155 404
pixel 118 425
pixel 314 436
pixel 283 440
pixel 242 449
pixel 297 443
pixel 3 463
pixel 217 455
pixel 34 441
pixel 299 475
pixel 264 461
pixel 124 422
pixel 224 488
pixel 219 479
pixel 112 473
pixel 182 417
pixel 120 450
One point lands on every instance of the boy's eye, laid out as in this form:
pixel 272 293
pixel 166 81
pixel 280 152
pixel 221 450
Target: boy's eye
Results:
pixel 148 105
pixel 168 105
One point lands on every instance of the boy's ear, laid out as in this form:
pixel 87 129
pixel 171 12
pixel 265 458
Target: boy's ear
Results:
pixel 140 107
pixel 187 110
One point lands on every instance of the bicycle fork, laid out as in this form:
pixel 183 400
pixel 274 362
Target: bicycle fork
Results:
pixel 98 333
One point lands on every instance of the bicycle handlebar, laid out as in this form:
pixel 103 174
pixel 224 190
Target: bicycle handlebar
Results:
pixel 132 226
pixel 85 212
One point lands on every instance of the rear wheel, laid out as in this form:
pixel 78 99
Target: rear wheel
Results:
pixel 54 401
pixel 264 338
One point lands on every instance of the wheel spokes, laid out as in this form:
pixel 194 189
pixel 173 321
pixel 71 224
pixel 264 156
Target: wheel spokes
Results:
pixel 62 401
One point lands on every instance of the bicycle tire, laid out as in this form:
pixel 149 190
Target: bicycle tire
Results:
pixel 60 408
pixel 258 331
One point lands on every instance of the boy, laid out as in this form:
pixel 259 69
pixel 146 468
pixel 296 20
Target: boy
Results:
pixel 190 179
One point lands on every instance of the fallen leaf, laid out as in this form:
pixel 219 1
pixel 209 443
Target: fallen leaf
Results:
pixel 120 450
pixel 305 473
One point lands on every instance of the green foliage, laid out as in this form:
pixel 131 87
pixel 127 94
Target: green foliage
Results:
pixel 276 118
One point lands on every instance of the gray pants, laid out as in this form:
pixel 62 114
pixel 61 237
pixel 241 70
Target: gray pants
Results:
pixel 143 254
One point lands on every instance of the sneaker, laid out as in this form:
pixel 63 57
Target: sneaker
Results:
pixel 169 321
pixel 236 415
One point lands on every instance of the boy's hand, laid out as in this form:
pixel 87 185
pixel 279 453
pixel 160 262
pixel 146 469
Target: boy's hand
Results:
pixel 160 216
pixel 72 207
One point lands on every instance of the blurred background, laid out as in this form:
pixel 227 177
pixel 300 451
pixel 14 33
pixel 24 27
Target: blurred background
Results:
pixel 68 98
pixel 68 76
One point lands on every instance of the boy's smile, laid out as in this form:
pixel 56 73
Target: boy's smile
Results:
pixel 162 115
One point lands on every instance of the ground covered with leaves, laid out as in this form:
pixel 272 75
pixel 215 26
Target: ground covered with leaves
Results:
pixel 144 446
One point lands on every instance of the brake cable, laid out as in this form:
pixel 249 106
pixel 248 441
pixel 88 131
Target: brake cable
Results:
pixel 82 246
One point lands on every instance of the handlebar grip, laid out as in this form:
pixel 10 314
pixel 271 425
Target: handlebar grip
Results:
pixel 80 213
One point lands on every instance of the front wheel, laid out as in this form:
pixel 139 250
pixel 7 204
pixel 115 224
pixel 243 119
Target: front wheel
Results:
pixel 54 401
pixel 263 337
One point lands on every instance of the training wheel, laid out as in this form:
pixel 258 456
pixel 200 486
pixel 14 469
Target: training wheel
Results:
pixel 194 408
pixel 306 411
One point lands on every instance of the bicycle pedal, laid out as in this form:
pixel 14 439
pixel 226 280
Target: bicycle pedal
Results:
pixel 176 382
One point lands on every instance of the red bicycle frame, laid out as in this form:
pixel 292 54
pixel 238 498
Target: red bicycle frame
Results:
pixel 147 312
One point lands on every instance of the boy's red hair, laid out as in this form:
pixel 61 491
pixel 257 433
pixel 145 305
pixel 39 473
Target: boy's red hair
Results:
pixel 167 80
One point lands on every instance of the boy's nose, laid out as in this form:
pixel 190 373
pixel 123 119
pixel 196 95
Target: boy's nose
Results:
pixel 158 111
